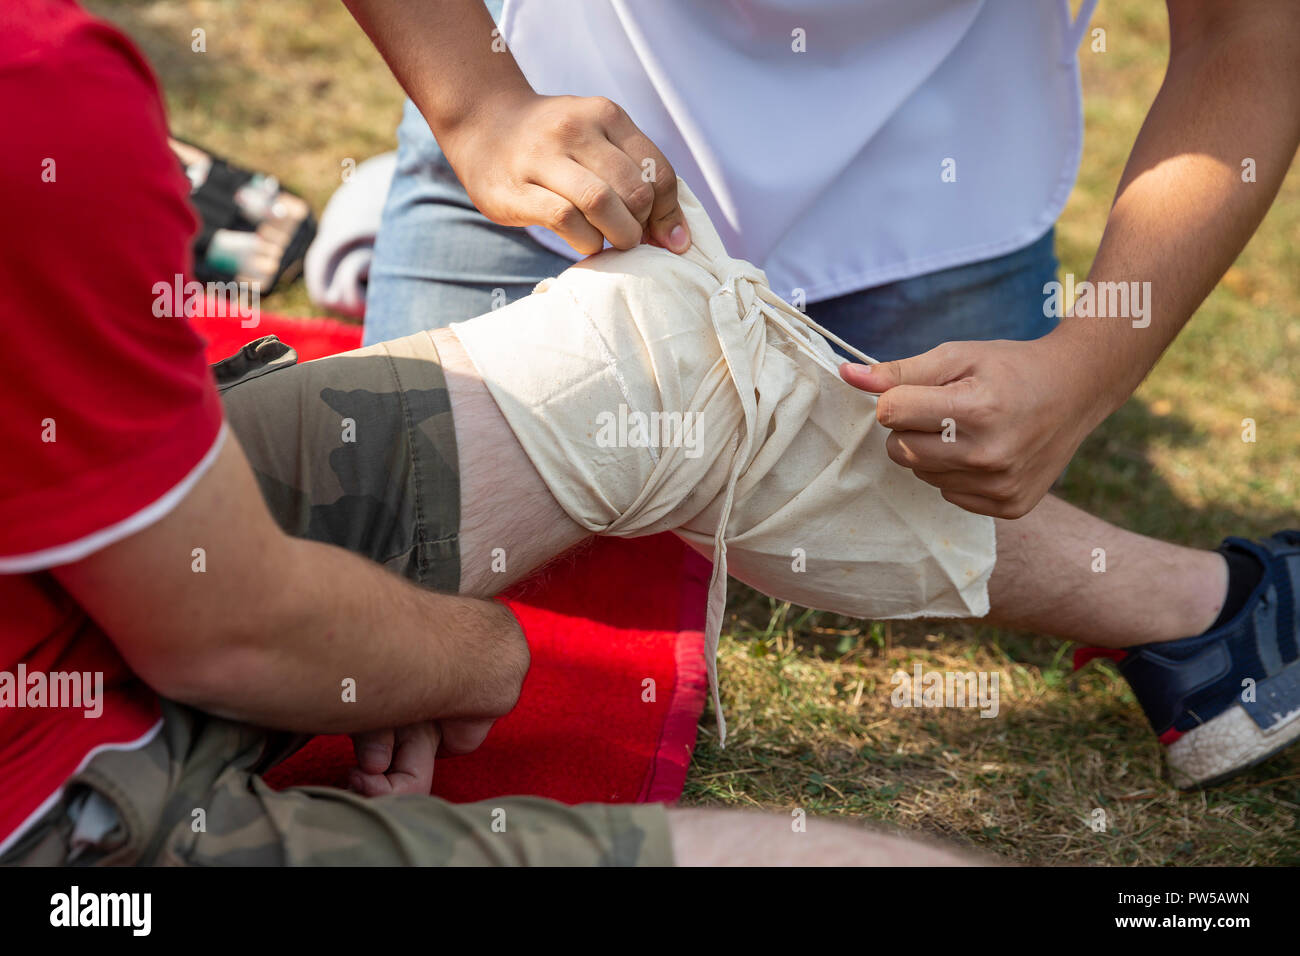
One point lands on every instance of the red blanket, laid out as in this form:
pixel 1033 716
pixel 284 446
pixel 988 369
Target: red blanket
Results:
pixel 610 706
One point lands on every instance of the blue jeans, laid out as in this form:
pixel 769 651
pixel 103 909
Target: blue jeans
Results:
pixel 439 260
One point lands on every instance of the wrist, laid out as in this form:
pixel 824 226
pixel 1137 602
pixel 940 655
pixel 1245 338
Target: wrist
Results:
pixel 456 119
pixel 1083 363
pixel 491 683
pixel 514 664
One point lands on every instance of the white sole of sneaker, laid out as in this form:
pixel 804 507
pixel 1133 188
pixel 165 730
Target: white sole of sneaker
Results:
pixel 1226 745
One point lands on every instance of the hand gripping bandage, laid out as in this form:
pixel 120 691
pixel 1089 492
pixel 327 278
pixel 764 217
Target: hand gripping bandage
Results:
pixel 657 392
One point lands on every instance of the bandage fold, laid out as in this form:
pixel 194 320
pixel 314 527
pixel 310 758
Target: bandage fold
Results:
pixel 771 464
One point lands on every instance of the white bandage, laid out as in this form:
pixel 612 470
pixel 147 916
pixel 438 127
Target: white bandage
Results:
pixel 785 480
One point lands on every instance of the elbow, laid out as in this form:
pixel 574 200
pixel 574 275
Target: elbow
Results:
pixel 215 677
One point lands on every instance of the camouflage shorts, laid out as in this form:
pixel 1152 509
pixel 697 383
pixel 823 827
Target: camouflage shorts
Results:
pixel 356 450
pixel 193 797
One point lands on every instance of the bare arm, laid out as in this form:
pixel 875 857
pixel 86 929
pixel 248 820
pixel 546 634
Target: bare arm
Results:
pixel 1182 214
pixel 441 52
pixel 576 165
pixel 270 631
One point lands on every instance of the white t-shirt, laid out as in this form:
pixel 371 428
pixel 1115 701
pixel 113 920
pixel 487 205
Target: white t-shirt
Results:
pixel 907 136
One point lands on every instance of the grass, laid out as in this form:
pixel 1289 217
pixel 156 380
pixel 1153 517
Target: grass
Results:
pixel 294 88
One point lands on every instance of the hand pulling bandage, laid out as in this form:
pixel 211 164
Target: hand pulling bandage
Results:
pixel 761 456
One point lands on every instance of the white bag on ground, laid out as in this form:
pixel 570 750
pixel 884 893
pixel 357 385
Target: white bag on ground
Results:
pixel 776 468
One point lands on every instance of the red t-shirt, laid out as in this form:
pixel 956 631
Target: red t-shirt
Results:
pixel 108 413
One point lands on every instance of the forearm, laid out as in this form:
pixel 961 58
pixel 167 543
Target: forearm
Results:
pixel 1182 212
pixel 288 633
pixel 346 646
pixel 444 54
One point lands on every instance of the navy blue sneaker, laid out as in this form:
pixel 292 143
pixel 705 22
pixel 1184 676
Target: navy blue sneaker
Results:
pixel 1227 699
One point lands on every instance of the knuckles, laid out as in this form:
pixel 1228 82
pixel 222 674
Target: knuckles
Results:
pixel 563 217
pixel 978 413
pixel 568 128
pixel 641 199
pixel 575 119
pixel 946 353
pixel 990 458
pixel 1004 489
pixel 665 176
pixel 897 453
pixel 886 413
pixel 596 197
pixel 1009 510
pixel 605 110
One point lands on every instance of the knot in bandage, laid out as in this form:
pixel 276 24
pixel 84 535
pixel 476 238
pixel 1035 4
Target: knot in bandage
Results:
pixel 787 484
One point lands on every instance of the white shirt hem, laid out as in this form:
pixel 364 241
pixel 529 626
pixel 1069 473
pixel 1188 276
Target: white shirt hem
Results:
pixel 48 803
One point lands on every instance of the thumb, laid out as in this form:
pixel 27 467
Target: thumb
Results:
pixel 463 735
pixel 373 750
pixel 667 226
pixel 928 368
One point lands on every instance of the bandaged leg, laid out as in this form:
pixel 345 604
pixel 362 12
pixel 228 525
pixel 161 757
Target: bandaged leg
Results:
pixel 771 464
pixel 354 450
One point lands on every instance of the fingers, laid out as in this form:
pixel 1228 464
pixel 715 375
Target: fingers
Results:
pixel 923 408
pixel 411 752
pixel 936 367
pixel 578 166
pixel 412 768
pixel 617 181
pixel 668 227
pixel 999 493
pixel 373 750
pixel 981 505
pixel 859 376
pixel 604 209
pixel 977 420
pixel 965 482
pixel 401 761
pixel 923 451
pixel 624 176
pixel 666 224
pixel 553 211
pixel 464 736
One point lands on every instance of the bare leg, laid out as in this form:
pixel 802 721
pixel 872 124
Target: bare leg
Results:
pixel 1044 579
pixel 510 523
pixel 1049 579
pixel 706 837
